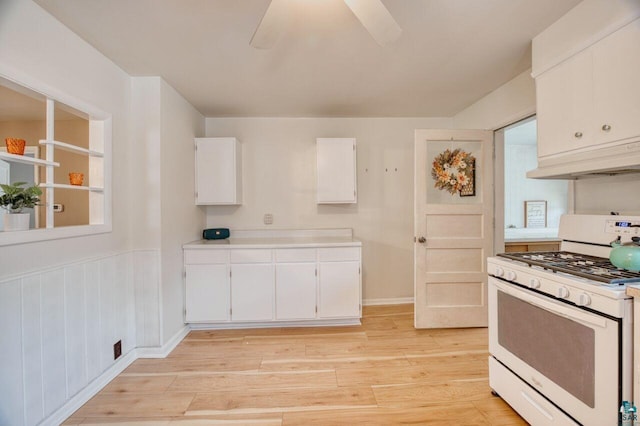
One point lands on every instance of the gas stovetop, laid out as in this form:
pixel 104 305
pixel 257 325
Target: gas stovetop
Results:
pixel 581 265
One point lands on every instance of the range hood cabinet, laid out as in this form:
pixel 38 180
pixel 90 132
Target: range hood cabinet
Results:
pixel 606 161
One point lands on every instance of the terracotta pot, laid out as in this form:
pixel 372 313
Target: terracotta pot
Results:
pixel 76 178
pixel 15 146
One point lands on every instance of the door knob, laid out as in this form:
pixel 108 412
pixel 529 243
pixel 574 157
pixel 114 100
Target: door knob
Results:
pixel 422 240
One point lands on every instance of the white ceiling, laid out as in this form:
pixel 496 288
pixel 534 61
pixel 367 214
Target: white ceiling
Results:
pixel 450 54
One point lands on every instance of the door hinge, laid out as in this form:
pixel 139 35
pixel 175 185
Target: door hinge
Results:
pixel 316 309
pixel 359 271
pixel 184 274
pixel 230 311
pixel 229 273
pixel 316 272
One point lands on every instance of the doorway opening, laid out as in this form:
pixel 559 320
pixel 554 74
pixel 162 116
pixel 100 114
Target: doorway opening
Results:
pixel 527 210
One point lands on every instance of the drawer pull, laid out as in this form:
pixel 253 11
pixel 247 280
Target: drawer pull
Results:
pixel 606 127
pixel 578 135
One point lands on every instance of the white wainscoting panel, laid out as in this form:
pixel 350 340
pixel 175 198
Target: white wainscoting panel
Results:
pixel 11 381
pixel 57 331
pixel 32 349
pixel 146 279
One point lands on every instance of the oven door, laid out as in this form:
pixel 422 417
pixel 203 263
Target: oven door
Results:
pixel 569 355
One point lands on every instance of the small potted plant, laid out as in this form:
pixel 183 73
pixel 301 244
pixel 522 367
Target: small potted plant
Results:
pixel 15 198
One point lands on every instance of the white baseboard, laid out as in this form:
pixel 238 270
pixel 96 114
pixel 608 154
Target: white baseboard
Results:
pixel 392 301
pixel 101 381
pixel 164 350
pixel 89 391
pixel 274 324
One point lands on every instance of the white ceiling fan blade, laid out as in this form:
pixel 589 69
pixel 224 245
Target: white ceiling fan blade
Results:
pixel 376 19
pixel 272 25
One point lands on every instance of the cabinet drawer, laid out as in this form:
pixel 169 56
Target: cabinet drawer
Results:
pixel 200 257
pixel 295 255
pixel 251 256
pixel 338 254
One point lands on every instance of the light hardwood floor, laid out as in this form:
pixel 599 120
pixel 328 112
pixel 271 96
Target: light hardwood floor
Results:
pixel 383 372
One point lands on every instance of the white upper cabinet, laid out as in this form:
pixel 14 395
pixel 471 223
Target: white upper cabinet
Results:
pixel 336 170
pixel 565 98
pixel 616 70
pixel 591 99
pixel 218 171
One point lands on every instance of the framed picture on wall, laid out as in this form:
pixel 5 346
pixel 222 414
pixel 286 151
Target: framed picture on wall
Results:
pixel 535 214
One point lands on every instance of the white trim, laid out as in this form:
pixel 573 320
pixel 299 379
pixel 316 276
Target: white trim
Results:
pixel 89 391
pixel 391 301
pixel 274 324
pixel 164 350
pixel 45 234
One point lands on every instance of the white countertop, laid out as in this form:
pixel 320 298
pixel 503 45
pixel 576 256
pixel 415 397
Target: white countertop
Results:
pixel 272 242
pixel 281 238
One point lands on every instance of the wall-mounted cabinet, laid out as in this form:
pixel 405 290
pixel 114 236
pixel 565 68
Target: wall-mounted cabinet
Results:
pixel 336 170
pixel 591 99
pixel 218 171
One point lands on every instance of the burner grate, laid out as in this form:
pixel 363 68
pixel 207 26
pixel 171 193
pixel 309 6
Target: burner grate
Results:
pixel 581 265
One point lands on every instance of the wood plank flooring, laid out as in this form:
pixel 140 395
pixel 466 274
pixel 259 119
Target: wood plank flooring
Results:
pixel 384 372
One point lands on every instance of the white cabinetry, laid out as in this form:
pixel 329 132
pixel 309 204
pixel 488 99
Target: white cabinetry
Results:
pixel 251 285
pixel 591 99
pixel 250 282
pixel 296 283
pixel 336 170
pixel 339 286
pixel 207 286
pixel 218 171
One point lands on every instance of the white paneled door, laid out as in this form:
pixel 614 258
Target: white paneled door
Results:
pixel 453 227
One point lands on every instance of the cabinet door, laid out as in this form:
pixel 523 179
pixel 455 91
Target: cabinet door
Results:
pixel 218 171
pixel 565 106
pixel 616 62
pixel 339 289
pixel 336 168
pixel 252 292
pixel 295 291
pixel 207 293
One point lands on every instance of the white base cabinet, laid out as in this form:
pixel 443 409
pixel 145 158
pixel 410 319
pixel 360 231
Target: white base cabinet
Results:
pixel 207 293
pixel 296 291
pixel 252 292
pixel 255 285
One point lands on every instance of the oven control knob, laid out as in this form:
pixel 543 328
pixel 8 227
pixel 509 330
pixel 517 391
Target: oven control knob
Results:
pixel 584 300
pixel 563 292
pixel 534 283
pixel 511 276
pixel 499 271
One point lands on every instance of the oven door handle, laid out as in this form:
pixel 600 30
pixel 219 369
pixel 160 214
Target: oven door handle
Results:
pixel 571 313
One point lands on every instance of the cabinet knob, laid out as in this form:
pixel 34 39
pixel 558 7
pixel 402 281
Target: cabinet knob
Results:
pixel 578 135
pixel 422 240
pixel 606 127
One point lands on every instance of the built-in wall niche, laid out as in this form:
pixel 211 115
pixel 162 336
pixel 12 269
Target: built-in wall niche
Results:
pixel 61 139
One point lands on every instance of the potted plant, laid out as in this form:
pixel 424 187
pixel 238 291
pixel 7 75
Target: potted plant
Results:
pixel 15 198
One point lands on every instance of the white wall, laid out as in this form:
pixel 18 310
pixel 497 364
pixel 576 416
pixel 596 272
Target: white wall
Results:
pixel 509 103
pixel 63 302
pixel 279 177
pixel 168 217
pixel 182 221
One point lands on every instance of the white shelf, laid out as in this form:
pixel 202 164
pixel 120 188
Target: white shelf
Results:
pixel 71 148
pixel 27 160
pixel 76 187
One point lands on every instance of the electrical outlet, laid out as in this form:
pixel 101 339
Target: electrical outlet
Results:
pixel 117 349
pixel 268 218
